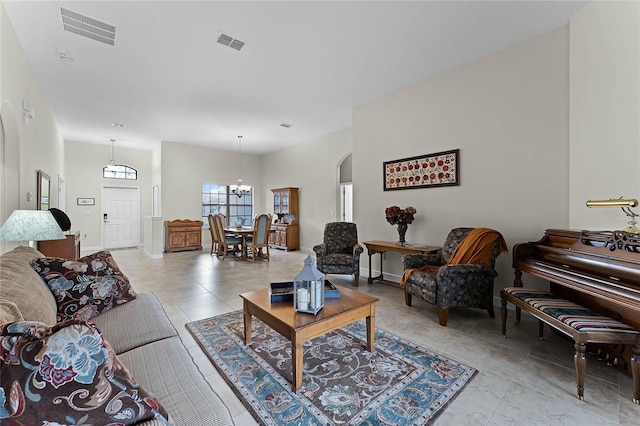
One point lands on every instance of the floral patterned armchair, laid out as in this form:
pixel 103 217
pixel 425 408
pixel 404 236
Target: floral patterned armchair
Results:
pixel 340 251
pixel 463 285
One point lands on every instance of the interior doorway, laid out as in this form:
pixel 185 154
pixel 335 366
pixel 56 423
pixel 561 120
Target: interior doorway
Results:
pixel 120 217
pixel 346 202
pixel 346 190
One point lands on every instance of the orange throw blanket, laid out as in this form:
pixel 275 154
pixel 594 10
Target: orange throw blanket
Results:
pixel 474 249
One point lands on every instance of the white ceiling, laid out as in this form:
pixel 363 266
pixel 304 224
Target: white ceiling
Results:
pixel 305 63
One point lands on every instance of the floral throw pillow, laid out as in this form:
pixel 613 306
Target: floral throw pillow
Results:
pixel 67 374
pixel 85 287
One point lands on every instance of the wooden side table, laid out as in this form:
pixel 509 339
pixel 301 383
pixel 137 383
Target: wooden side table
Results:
pixel 374 247
pixel 69 248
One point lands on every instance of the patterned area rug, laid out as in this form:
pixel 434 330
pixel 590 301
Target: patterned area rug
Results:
pixel 398 384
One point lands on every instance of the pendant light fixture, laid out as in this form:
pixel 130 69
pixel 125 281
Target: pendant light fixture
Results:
pixel 118 171
pixel 240 189
pixel 112 163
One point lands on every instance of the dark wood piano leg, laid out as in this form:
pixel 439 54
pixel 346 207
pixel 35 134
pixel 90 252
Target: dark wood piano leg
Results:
pixel 503 317
pixel 518 283
pixel 580 360
pixel 635 373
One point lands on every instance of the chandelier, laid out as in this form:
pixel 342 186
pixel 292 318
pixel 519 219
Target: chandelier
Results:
pixel 240 189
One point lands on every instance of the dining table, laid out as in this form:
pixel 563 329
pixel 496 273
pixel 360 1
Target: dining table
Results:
pixel 242 232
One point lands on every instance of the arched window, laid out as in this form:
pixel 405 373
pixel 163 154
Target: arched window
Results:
pixel 119 171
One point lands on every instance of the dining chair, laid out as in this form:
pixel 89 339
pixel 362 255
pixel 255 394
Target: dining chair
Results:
pixel 260 238
pixel 215 240
pixel 225 241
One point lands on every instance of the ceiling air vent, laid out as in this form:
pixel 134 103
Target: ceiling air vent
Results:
pixel 88 27
pixel 286 125
pixel 231 42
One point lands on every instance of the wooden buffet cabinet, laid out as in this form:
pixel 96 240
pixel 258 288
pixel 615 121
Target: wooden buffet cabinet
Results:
pixel 285 235
pixel 69 248
pixel 182 234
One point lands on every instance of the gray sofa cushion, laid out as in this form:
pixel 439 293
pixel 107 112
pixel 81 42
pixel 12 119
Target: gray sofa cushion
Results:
pixel 23 286
pixel 166 368
pixel 135 323
pixel 9 311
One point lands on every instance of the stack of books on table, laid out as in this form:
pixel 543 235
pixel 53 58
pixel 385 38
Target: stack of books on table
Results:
pixel 283 292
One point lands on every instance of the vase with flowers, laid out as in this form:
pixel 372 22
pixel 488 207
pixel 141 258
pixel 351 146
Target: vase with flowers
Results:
pixel 401 217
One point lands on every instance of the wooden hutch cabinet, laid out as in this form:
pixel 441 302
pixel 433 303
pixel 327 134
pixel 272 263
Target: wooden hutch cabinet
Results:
pixel 69 248
pixel 182 234
pixel 285 231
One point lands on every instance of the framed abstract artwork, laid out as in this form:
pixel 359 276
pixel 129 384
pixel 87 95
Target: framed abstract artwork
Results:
pixel 439 169
pixel 86 201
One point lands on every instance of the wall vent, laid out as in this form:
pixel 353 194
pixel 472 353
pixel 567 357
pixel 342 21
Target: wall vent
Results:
pixel 227 40
pixel 88 27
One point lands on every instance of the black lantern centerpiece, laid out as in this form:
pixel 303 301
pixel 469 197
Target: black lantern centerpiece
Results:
pixel 308 289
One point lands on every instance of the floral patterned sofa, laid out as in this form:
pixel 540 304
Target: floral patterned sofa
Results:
pixel 79 346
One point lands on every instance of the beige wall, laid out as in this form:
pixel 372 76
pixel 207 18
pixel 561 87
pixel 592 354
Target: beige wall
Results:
pixel 185 168
pixel 156 174
pixel 40 143
pixel 509 116
pixel 314 168
pixel 84 180
pixel 27 147
pixel 605 111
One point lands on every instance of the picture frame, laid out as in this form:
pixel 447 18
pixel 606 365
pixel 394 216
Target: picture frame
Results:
pixel 423 171
pixel 86 201
pixel 43 191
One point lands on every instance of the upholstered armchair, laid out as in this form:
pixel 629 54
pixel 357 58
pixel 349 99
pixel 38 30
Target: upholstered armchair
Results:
pixel 340 252
pixel 453 285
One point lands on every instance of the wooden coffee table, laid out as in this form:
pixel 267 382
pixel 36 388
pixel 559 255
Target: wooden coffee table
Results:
pixel 299 327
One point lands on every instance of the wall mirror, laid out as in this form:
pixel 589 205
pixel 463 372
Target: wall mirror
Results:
pixel 44 191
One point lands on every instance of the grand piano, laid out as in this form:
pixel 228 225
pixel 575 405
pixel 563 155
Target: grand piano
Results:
pixel 599 270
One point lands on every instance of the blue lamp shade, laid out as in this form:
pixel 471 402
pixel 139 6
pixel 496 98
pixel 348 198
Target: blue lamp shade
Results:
pixel 31 225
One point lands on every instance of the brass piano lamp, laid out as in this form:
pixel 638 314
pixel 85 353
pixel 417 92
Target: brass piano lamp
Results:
pixel 625 205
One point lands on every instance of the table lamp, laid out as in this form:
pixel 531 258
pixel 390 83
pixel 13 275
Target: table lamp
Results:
pixel 31 225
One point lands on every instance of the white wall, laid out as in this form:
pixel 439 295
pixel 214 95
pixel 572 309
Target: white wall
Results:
pixel 156 174
pixel 314 168
pixel 84 180
pixel 26 147
pixel 186 167
pixel 509 116
pixel 605 111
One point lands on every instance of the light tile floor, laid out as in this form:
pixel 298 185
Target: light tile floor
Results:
pixel 521 380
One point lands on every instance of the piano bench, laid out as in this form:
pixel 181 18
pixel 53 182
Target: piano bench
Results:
pixel 582 324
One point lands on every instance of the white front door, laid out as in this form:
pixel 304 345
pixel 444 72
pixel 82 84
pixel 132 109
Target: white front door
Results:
pixel 120 217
